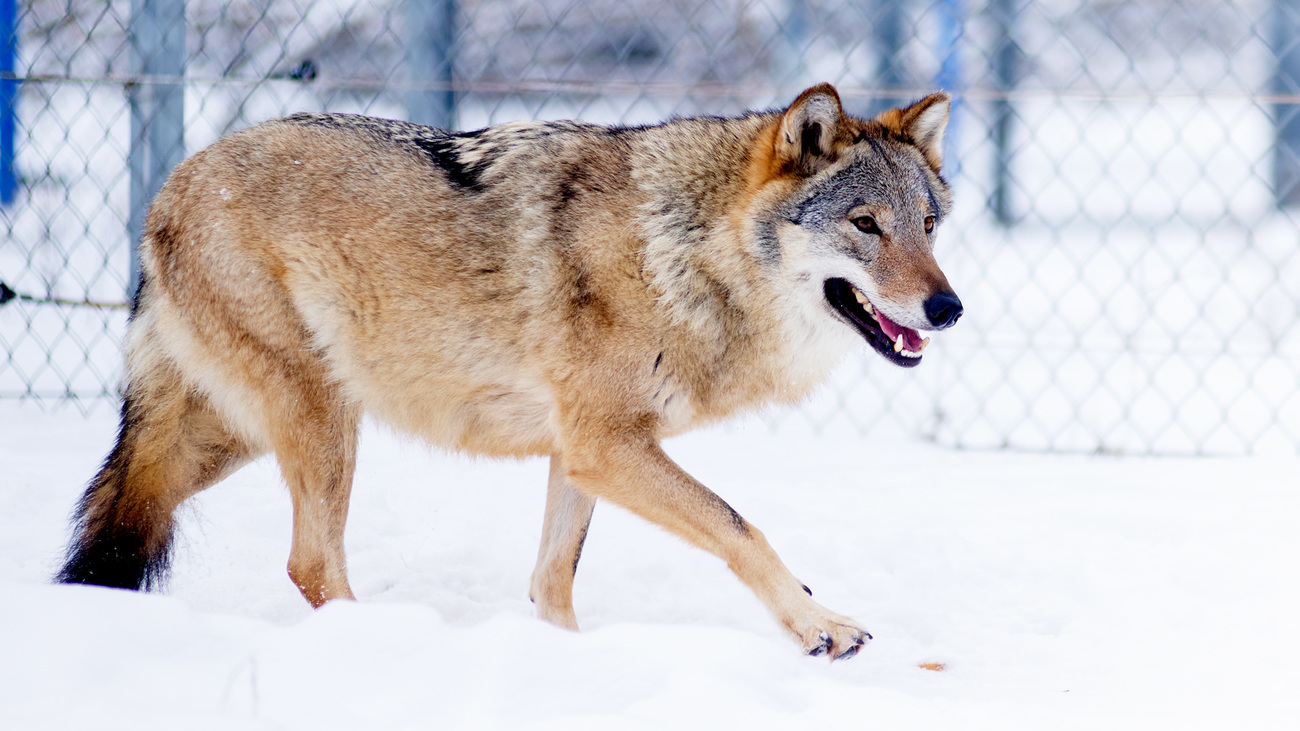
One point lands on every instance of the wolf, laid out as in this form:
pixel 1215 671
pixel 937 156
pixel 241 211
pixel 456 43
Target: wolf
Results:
pixel 535 288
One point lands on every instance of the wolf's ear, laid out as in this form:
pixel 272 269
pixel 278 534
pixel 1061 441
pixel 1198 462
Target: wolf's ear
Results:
pixel 922 125
pixel 808 137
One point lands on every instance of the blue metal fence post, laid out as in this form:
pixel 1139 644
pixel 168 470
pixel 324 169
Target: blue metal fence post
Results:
pixel 430 61
pixel 1005 59
pixel 889 30
pixel 156 96
pixel 8 99
pixel 1286 82
pixel 949 78
pixel 790 66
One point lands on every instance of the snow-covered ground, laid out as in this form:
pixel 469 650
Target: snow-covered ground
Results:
pixel 1057 592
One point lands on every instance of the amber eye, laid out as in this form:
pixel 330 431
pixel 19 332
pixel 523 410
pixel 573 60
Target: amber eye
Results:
pixel 867 224
pixel 929 224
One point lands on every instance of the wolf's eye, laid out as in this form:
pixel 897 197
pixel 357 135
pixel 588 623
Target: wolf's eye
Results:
pixel 867 224
pixel 929 224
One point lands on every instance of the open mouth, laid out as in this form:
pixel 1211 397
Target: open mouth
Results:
pixel 899 345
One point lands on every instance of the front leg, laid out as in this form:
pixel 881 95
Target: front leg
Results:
pixel 568 513
pixel 630 469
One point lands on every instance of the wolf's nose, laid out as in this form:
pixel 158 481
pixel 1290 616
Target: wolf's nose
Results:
pixel 943 309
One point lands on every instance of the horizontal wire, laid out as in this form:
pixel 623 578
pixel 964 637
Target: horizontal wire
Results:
pixel 8 295
pixel 974 93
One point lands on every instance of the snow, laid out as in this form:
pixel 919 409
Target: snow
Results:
pixel 1062 592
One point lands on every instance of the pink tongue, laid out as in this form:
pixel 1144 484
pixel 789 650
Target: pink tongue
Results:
pixel 911 338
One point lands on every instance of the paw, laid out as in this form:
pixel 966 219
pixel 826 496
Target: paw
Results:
pixel 555 610
pixel 838 637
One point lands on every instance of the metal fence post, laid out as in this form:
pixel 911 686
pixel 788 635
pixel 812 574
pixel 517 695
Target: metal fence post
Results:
pixel 1286 82
pixel 8 99
pixel 889 34
pixel 1004 59
pixel 792 34
pixel 949 78
pixel 156 96
pixel 430 61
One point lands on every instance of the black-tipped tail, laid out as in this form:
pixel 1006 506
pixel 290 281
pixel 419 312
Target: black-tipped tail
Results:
pixel 118 538
pixel 118 559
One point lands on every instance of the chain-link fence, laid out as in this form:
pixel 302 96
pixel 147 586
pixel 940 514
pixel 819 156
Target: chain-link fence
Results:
pixel 1123 240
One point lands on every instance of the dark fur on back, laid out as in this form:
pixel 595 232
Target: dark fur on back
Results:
pixel 112 544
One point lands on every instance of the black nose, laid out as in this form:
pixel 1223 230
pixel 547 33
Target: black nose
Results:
pixel 943 309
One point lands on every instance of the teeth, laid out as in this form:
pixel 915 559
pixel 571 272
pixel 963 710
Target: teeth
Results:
pixel 898 347
pixel 862 300
pixel 898 341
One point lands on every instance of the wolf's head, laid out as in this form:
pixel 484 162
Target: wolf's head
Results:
pixel 864 200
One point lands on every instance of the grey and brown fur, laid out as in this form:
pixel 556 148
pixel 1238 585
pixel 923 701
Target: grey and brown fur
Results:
pixel 559 289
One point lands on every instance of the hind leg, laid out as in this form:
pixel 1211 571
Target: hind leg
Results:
pixel 171 444
pixel 316 445
pixel 568 513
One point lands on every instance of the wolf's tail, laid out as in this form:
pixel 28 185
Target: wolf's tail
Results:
pixel 170 445
pixel 120 539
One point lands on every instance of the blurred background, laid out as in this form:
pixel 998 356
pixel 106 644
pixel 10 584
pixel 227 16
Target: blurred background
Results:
pixel 1125 238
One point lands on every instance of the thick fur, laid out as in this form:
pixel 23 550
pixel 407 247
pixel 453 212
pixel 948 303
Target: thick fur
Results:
pixel 535 288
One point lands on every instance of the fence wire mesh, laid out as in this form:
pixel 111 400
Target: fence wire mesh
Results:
pixel 1124 238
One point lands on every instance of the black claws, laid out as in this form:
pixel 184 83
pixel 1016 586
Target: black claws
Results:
pixel 849 652
pixel 827 644
pixel 805 588
pixel 858 642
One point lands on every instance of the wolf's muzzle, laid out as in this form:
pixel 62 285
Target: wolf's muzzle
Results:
pixel 943 309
